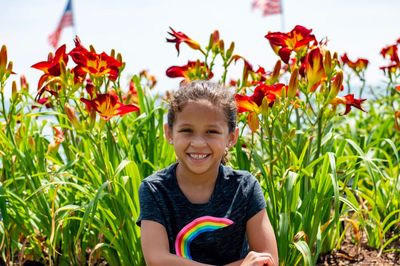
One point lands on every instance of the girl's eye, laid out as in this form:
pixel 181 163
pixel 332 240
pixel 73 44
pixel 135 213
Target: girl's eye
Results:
pixel 212 132
pixel 185 130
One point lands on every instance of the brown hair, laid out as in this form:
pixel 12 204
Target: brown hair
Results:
pixel 215 93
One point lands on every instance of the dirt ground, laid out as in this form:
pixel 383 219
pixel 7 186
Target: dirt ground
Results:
pixel 351 254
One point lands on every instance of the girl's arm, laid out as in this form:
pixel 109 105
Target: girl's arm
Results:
pixel 262 242
pixel 155 246
pixel 261 237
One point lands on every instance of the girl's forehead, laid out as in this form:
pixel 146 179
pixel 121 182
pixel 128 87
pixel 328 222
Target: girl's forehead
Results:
pixel 201 110
pixel 204 105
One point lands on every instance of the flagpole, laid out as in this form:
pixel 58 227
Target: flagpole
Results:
pixel 73 22
pixel 282 17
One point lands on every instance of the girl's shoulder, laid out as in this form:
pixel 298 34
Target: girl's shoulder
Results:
pixel 238 176
pixel 162 175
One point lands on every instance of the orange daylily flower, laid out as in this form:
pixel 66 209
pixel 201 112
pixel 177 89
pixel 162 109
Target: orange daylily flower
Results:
pixel 43 101
pixel 245 103
pixel 253 104
pixel 179 37
pixel 51 67
pixel 247 68
pixel 58 139
pixel 132 95
pixel 349 101
pixel 108 105
pixel 191 71
pixel 296 40
pixel 359 65
pixel 94 64
pixel 392 68
pixel 151 79
pixel 391 52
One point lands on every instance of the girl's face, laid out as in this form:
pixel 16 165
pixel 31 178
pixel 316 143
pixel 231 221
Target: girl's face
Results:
pixel 200 136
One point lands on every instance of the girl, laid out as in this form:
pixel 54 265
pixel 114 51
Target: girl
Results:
pixel 198 211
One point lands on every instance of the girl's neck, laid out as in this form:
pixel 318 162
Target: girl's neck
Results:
pixel 196 180
pixel 197 188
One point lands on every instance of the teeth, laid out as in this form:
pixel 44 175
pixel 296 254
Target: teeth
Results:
pixel 198 156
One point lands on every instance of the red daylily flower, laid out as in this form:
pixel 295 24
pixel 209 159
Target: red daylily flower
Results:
pixel 270 92
pixel 296 40
pixel 191 71
pixel 94 64
pixel 108 105
pixel 90 88
pixel 391 52
pixel 359 65
pixel 253 104
pixel 233 83
pixel 151 79
pixel 179 37
pixel 247 68
pixel 349 101
pixel 51 67
pixel 132 95
pixel 392 68
pixel 43 101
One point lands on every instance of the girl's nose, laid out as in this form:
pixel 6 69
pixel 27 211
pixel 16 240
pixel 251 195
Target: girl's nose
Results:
pixel 197 141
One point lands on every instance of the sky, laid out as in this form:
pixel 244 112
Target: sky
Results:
pixel 138 28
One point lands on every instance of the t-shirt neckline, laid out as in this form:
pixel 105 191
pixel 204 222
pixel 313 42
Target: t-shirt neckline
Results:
pixel 182 195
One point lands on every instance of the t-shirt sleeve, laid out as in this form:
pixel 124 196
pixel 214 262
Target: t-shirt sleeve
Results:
pixel 256 200
pixel 149 206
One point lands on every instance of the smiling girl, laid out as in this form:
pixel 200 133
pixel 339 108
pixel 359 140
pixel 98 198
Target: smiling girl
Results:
pixel 198 211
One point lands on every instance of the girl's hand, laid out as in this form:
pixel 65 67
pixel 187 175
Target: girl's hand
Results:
pixel 258 259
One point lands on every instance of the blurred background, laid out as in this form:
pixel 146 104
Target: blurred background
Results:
pixel 138 29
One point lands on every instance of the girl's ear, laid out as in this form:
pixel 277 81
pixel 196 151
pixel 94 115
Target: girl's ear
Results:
pixel 233 137
pixel 168 133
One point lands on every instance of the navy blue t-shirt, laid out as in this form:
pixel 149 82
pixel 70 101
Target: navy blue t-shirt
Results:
pixel 213 232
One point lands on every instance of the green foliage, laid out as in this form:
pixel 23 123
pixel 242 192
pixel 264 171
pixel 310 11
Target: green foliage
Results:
pixel 70 173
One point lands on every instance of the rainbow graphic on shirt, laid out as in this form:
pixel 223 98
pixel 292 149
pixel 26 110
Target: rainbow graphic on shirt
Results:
pixel 195 228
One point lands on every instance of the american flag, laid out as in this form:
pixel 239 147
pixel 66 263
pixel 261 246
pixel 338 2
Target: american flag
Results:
pixel 269 7
pixel 65 21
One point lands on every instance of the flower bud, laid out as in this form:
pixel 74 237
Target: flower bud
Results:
pixel 327 62
pixel 293 83
pixel 53 147
pixel 24 84
pixel 70 112
pixel 14 91
pixel 397 120
pixel 336 84
pixel 276 72
pixel 229 52
pixel 3 57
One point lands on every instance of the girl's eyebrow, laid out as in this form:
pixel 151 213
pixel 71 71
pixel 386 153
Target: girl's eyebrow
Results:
pixel 185 125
